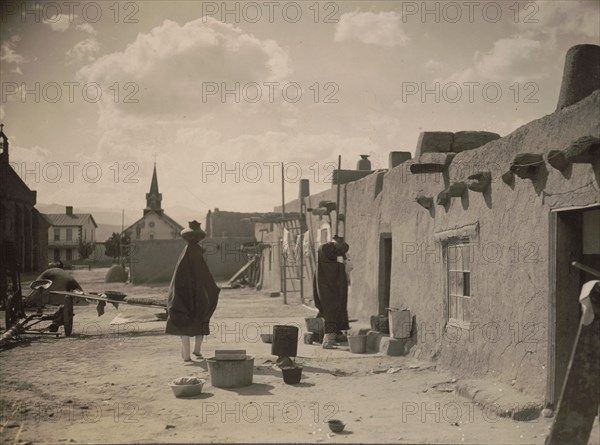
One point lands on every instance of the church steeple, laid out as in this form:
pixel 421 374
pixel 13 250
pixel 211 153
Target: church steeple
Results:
pixel 153 198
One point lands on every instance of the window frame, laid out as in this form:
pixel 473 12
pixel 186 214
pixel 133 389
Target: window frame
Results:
pixel 450 293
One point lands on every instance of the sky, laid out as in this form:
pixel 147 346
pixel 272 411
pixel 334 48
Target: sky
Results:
pixel 218 94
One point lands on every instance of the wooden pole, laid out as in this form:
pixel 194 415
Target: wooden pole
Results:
pixel 337 201
pixel 301 246
pixel 587 269
pixel 121 262
pixel 283 258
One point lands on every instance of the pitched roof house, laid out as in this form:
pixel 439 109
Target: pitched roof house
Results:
pixel 66 231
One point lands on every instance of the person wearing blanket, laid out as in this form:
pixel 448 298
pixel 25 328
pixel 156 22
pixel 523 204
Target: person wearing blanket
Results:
pixel 193 294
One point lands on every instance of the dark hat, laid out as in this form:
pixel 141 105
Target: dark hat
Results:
pixel 193 232
pixel 341 245
pixel 329 251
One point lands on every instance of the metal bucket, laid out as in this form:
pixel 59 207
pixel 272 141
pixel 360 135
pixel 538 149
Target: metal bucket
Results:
pixel 231 373
pixel 316 325
pixel 291 374
pixel 400 322
pixel 357 343
pixel 285 341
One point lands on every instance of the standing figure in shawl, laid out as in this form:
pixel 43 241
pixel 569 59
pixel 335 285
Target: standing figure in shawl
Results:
pixel 193 294
pixel 330 289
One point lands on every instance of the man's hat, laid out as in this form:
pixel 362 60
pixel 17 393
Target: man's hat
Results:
pixel 193 232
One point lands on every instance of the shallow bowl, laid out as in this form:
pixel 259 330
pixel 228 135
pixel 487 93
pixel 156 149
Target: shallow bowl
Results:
pixel 188 390
pixel 335 425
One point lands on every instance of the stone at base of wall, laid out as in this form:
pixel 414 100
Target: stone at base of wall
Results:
pixel 392 346
pixel 500 400
pixel 378 342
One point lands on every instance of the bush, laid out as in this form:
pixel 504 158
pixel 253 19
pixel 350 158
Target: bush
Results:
pixel 116 274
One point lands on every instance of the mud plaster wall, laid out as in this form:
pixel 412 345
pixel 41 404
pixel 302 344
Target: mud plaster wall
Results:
pixel 155 260
pixel 510 234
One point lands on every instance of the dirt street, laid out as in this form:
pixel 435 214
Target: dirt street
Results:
pixel 109 383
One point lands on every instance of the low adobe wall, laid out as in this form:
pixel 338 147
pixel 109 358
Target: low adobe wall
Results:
pixel 154 260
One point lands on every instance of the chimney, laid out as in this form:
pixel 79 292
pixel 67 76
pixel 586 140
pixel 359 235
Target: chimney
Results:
pixel 364 163
pixel 581 75
pixel 69 210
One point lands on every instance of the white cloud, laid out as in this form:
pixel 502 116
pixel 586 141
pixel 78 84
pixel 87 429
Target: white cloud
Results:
pixel 381 29
pixel 83 51
pixel 577 18
pixel 86 27
pixel 170 64
pixel 513 59
pixel 9 57
pixel 64 22
pixel 212 50
pixel 8 53
pixel 59 22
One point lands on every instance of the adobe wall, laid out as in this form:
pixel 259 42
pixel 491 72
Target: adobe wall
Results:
pixel 510 271
pixel 155 260
pixel 508 225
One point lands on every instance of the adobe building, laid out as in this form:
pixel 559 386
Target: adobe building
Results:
pixel 476 236
pixel 221 223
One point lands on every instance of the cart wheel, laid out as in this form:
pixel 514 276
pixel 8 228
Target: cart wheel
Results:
pixel 68 315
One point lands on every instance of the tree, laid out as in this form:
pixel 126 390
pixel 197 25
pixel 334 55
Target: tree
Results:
pixel 125 248
pixel 111 246
pixel 85 249
pixel 117 245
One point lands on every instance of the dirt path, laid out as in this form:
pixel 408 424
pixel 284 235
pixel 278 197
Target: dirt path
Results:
pixel 110 384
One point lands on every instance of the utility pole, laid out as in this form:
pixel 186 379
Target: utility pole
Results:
pixel 283 254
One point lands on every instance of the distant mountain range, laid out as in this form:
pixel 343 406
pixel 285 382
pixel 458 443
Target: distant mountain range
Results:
pixel 109 220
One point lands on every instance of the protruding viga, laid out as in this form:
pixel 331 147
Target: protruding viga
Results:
pixel 443 198
pixel 425 201
pixel 480 181
pixel 526 165
pixel 457 189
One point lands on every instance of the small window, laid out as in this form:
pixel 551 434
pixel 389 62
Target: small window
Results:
pixel 458 267
pixel 69 254
pixel 69 234
pixel 56 234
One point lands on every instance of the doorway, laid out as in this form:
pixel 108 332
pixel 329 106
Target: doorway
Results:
pixel 574 236
pixel 385 272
